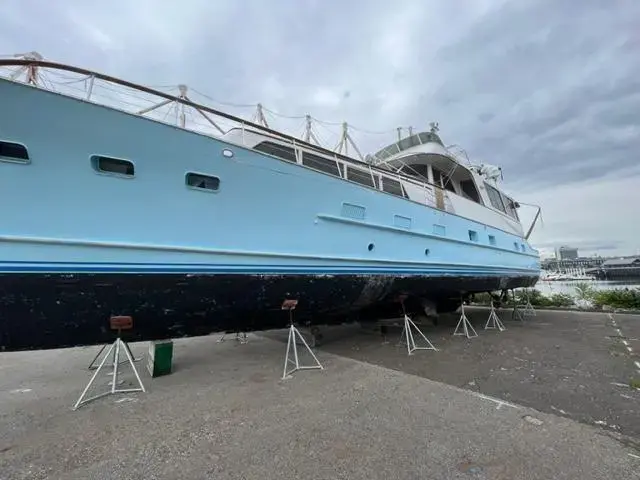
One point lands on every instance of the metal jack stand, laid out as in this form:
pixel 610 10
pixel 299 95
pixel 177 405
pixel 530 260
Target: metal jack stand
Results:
pixel 467 329
pixel 528 308
pixel 294 334
pixel 241 338
pixel 93 366
pixel 494 322
pixel 407 333
pixel 119 324
pixel 517 313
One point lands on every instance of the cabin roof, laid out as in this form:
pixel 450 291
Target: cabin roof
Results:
pixel 622 262
pixel 406 143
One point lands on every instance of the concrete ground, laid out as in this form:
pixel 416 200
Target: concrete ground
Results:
pixel 573 364
pixel 225 413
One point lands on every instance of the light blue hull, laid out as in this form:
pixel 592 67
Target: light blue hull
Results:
pixel 59 215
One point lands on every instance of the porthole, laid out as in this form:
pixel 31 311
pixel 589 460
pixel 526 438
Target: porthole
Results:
pixel 13 152
pixel 114 166
pixel 370 247
pixel 426 252
pixel 202 182
pixel 227 153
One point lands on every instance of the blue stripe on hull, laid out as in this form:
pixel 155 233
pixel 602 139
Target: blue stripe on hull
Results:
pixel 104 267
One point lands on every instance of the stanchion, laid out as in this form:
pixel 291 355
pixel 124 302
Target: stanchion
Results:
pixel 494 322
pixel 292 346
pixel 464 324
pixel 117 323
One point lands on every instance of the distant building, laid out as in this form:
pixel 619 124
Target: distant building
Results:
pixel 567 253
pixel 620 268
pixel 554 264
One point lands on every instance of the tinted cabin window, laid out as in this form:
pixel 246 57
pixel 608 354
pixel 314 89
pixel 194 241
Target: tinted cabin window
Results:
pixel 322 164
pixel 392 186
pixel 494 197
pixel 469 189
pixel 113 165
pixel 363 177
pixel 13 152
pixel 280 151
pixel 510 205
pixel 449 186
pixel 203 182
pixel 441 179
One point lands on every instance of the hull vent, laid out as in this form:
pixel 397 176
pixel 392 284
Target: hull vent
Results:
pixel 357 212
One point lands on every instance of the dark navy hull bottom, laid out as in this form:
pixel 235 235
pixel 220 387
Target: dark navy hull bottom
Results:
pixel 40 311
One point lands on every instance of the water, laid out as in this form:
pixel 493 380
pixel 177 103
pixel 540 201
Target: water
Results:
pixel 548 288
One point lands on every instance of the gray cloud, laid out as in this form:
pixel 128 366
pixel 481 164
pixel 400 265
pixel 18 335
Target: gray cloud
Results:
pixel 548 89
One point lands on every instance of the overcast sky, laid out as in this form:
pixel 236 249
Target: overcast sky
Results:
pixel 548 89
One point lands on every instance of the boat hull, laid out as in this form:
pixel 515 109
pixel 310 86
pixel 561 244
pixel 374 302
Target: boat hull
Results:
pixel 79 242
pixel 41 311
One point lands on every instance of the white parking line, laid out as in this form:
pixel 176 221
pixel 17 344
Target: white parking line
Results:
pixel 495 400
pixel 624 340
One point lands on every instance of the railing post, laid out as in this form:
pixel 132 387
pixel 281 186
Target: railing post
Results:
pixel 90 89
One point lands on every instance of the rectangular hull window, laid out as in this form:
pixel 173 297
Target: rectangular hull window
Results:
pixel 203 182
pixel 13 152
pixel 320 163
pixel 113 165
pixel 276 150
pixel 360 176
pixel 392 186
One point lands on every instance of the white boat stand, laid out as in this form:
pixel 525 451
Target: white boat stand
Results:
pixel 409 328
pixel 117 323
pixel 529 311
pixel 93 366
pixel 241 338
pixel 406 337
pixel 292 345
pixel 517 313
pixel 494 322
pixel 464 327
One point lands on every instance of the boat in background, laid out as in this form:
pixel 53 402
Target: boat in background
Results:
pixel 110 212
